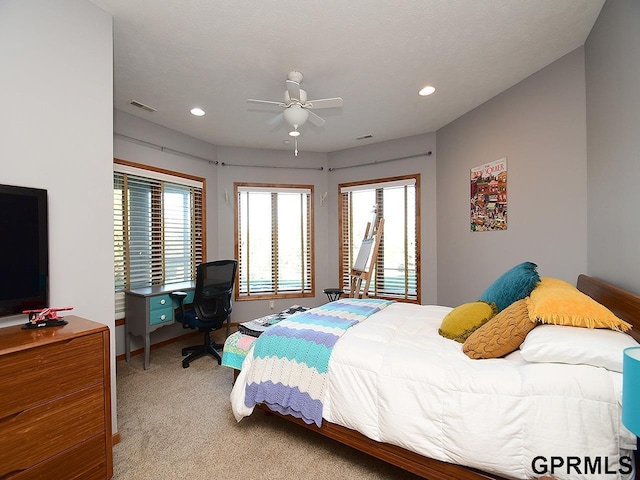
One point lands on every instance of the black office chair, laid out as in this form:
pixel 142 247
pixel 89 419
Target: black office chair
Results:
pixel 211 306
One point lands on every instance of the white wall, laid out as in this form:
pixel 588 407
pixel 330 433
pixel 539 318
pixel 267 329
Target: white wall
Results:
pixel 540 126
pixel 56 124
pixel 612 54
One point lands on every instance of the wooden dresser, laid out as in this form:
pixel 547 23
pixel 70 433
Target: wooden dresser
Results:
pixel 55 402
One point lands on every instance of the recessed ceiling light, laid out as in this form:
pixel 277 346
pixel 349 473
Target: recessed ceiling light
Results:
pixel 197 111
pixel 428 90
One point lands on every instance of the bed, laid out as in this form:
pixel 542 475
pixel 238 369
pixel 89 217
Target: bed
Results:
pixel 458 418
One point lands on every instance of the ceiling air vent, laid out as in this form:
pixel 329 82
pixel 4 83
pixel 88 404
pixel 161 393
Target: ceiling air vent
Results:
pixel 142 106
pixel 362 137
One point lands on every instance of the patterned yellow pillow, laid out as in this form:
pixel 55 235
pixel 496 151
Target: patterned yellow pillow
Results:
pixel 560 303
pixel 502 334
pixel 463 320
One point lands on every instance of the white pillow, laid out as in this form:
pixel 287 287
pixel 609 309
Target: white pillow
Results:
pixel 599 347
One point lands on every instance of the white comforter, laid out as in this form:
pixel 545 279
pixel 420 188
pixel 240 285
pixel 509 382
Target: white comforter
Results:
pixel 395 380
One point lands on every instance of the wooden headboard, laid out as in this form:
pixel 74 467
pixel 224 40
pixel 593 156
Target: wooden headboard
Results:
pixel 624 304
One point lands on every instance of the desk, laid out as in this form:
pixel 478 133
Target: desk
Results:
pixel 149 308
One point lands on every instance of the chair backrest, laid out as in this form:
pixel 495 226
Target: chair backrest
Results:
pixel 214 287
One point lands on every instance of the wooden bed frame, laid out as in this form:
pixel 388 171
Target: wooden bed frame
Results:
pixel 624 304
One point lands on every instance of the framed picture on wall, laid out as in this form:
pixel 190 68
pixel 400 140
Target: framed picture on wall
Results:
pixel 489 196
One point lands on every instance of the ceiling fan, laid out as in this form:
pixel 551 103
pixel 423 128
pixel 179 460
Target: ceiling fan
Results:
pixel 297 108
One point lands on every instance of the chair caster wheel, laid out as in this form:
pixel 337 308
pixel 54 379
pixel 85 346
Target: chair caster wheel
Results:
pixel 185 365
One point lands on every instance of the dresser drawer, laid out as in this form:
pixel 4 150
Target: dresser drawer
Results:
pixel 85 461
pixel 40 432
pixel 40 374
pixel 161 315
pixel 160 302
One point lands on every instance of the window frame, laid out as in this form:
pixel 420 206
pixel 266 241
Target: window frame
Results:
pixel 309 274
pixel 344 237
pixel 157 245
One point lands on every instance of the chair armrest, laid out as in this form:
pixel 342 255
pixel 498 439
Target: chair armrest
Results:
pixel 180 296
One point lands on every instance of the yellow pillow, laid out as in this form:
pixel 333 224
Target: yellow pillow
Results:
pixel 560 303
pixel 463 320
pixel 502 334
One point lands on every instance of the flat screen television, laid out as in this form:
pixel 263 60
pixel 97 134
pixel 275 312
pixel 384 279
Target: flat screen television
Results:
pixel 24 249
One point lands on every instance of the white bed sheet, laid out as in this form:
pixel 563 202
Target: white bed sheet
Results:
pixel 395 380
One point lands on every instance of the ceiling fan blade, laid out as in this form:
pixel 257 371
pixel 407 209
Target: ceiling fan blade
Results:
pixel 324 103
pixel 294 90
pixel 279 104
pixel 276 120
pixel 316 120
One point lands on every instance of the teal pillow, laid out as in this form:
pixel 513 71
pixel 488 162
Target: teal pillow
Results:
pixel 513 285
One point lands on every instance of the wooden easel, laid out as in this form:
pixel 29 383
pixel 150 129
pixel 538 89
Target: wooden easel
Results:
pixel 365 263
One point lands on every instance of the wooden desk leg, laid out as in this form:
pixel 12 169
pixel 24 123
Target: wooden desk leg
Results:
pixel 147 347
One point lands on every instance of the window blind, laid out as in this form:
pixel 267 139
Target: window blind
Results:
pixel 274 241
pixel 397 263
pixel 158 229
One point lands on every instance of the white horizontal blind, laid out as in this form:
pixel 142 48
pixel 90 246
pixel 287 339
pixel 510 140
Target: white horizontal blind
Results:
pixel 119 243
pixel 158 230
pixel 274 241
pixel 397 265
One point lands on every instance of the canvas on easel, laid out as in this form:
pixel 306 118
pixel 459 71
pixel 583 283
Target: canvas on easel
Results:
pixel 365 263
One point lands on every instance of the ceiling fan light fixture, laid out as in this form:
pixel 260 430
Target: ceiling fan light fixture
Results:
pixel 295 115
pixel 428 90
pixel 294 133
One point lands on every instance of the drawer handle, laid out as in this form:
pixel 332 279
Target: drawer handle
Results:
pixel 163 301
pixel 163 317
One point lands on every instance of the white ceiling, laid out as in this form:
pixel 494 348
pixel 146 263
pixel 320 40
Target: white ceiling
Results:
pixel 376 55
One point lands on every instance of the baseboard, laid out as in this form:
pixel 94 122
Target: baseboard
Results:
pixel 140 351
pixel 115 438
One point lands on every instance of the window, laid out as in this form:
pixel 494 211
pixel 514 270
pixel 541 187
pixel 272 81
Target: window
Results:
pixel 397 270
pixel 274 241
pixel 158 224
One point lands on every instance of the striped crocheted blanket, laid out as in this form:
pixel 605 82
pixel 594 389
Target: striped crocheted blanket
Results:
pixel 291 358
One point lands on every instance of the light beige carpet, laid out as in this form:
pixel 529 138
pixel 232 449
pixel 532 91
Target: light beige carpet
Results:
pixel 176 423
